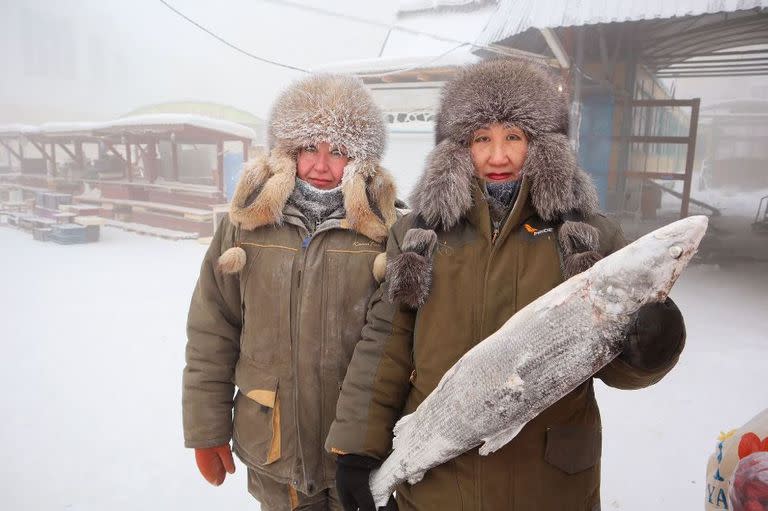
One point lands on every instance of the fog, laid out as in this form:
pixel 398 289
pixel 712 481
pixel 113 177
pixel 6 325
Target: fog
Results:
pixel 93 334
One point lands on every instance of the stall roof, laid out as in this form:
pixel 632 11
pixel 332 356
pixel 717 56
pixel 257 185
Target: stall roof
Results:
pixel 416 68
pixel 516 16
pixel 140 125
pixel 15 130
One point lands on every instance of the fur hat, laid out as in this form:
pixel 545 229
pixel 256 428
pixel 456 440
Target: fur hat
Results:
pixel 512 92
pixel 335 109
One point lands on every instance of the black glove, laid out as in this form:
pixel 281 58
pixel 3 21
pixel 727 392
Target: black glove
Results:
pixel 352 474
pixel 655 337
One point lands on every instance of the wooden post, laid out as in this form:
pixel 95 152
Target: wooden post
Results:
pixel 150 161
pixel 220 166
pixel 246 146
pixel 21 156
pixel 11 152
pixel 692 131
pixel 128 162
pixel 80 155
pixel 175 159
pixel 53 159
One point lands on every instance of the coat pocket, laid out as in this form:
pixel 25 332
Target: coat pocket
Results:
pixel 257 414
pixel 573 448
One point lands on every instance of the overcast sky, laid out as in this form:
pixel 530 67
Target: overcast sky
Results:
pixel 144 53
pixel 93 60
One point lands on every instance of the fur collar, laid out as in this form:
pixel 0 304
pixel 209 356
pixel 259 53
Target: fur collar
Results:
pixel 268 180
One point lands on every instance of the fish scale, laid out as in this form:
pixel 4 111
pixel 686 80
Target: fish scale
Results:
pixel 538 356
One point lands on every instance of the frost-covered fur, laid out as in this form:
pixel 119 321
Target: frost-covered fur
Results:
pixel 232 260
pixel 443 195
pixel 336 109
pixel 410 273
pixel 268 181
pixel 504 91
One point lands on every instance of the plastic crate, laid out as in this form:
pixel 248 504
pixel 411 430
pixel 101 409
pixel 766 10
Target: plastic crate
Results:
pixel 67 234
pixel 41 233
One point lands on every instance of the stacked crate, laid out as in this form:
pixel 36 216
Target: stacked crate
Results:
pixel 68 234
pixel 47 204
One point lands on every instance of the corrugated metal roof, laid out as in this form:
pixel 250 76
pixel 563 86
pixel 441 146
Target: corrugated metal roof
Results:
pixel 516 16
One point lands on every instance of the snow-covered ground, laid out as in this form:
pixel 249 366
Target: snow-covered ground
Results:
pixel 93 348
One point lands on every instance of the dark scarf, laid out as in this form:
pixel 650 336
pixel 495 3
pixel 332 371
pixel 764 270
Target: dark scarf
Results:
pixel 501 197
pixel 315 204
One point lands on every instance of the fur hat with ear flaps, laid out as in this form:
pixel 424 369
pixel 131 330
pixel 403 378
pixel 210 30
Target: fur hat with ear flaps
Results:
pixel 510 92
pixel 335 109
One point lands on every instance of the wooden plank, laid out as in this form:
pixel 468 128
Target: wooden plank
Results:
pixel 156 206
pixel 220 166
pixel 10 150
pixel 114 151
pixel 663 102
pixel 175 160
pixel 128 162
pixel 689 158
pixel 41 149
pixel 646 139
pixel 667 176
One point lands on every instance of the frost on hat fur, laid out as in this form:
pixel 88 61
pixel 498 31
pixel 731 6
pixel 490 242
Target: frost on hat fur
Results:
pixel 336 109
pixel 505 91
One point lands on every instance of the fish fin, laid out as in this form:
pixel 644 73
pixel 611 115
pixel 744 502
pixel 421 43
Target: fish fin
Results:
pixel 499 440
pixel 401 424
pixel 415 478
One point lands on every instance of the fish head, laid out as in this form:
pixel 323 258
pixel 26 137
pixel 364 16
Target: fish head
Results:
pixel 645 270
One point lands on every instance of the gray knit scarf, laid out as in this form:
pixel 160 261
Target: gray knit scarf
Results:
pixel 316 204
pixel 501 197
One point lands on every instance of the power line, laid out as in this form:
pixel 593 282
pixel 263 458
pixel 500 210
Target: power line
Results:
pixel 509 52
pixel 234 47
pixel 492 48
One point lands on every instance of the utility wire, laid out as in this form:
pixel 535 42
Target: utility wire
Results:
pixel 492 48
pixel 234 47
pixel 509 52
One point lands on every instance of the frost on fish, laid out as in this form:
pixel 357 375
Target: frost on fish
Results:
pixel 543 352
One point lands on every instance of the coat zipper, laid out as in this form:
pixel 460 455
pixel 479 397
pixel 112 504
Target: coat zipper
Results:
pixel 295 354
pixel 294 342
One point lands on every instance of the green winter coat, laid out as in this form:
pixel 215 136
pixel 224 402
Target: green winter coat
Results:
pixel 268 345
pixel 477 284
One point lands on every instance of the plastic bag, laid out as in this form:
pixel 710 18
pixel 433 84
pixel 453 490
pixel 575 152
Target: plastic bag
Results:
pixel 723 462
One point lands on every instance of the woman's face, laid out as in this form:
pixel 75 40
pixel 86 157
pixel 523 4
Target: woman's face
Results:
pixel 498 152
pixel 321 166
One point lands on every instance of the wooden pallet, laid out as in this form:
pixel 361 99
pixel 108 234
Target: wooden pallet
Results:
pixel 148 230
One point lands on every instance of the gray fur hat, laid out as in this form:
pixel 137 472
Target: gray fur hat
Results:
pixel 513 92
pixel 336 109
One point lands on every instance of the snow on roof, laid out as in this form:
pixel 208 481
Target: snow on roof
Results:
pixel 408 6
pixel 438 43
pixel 516 16
pixel 53 128
pixel 16 129
pixel 199 121
pixel 386 64
pixel 136 121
